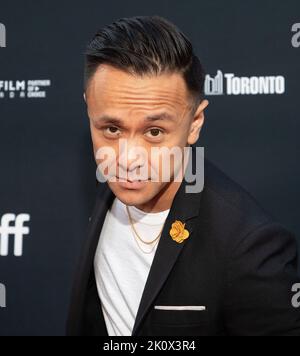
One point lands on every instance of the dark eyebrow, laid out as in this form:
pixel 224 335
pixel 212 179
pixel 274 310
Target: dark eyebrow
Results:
pixel 118 122
pixel 109 120
pixel 161 116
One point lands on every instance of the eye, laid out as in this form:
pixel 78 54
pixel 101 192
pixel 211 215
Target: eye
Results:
pixel 112 130
pixel 154 133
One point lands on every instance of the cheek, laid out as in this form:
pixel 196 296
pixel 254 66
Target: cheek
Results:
pixel 165 167
pixel 99 142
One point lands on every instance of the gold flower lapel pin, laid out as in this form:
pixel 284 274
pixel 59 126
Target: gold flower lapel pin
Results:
pixel 178 232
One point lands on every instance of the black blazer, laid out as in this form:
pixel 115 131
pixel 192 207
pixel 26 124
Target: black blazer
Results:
pixel 237 263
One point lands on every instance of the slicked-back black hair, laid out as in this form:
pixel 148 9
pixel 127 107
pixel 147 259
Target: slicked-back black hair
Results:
pixel 145 45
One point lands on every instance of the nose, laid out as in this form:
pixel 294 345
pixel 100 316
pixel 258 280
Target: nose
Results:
pixel 132 160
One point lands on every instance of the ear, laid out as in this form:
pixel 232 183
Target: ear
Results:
pixel 197 123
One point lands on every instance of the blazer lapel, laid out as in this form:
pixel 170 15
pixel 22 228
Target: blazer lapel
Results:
pixel 185 207
pixel 83 275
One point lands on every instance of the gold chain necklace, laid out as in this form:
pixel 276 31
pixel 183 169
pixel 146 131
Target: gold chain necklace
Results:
pixel 136 233
pixel 146 252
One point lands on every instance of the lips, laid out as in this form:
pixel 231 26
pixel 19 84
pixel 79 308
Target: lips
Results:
pixel 133 185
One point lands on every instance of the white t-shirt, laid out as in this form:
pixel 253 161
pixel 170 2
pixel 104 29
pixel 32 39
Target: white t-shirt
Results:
pixel 121 268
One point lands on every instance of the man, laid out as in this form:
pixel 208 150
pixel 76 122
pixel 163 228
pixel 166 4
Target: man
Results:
pixel 159 260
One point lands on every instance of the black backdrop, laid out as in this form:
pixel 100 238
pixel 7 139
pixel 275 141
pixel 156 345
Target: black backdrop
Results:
pixel 47 169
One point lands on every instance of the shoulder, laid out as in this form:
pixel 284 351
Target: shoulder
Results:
pixel 229 196
pixel 230 213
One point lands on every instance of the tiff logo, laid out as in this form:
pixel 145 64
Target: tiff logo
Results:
pixel 230 84
pixel 16 229
pixel 214 85
pixel 2 296
pixel 296 37
pixel 2 35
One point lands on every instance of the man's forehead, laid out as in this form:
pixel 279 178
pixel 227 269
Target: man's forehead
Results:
pixel 114 84
pixel 152 118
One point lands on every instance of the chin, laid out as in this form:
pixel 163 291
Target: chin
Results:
pixel 131 196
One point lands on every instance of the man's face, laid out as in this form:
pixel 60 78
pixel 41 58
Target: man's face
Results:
pixel 148 111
